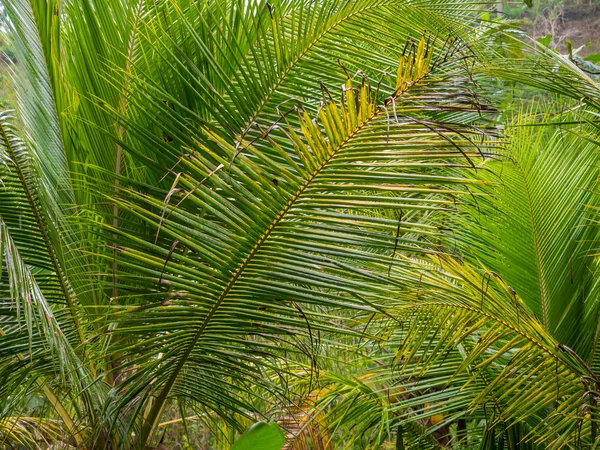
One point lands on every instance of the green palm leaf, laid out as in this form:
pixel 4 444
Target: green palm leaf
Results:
pixel 463 352
pixel 538 224
pixel 318 244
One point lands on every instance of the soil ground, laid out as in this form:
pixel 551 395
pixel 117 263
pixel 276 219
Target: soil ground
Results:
pixel 580 24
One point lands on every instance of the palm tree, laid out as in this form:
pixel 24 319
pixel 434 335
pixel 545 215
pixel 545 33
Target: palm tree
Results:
pixel 202 198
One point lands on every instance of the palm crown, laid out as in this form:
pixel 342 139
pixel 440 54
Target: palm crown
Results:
pixel 219 208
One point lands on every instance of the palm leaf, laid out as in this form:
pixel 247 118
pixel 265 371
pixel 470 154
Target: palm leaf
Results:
pixel 537 225
pixel 291 224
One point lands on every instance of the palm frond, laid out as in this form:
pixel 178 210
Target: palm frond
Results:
pixel 40 160
pixel 245 237
pixel 459 350
pixel 534 228
pixel 29 432
pixel 537 66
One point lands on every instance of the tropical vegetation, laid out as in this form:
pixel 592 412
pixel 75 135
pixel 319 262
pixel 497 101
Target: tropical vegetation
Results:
pixel 363 225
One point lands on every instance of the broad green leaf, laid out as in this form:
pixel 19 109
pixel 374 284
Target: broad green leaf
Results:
pixel 261 436
pixel 545 41
pixel 594 58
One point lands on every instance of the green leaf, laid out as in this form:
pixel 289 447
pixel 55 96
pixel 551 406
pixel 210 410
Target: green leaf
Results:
pixel 594 59
pixel 570 48
pixel 261 435
pixel 400 438
pixel 529 3
pixel 545 41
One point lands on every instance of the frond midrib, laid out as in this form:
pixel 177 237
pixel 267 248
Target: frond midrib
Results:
pixel 536 246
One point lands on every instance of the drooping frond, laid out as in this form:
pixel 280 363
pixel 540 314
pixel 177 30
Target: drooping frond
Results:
pixel 32 341
pixel 39 327
pixel 40 159
pixel 21 431
pixel 546 69
pixel 462 351
pixel 23 210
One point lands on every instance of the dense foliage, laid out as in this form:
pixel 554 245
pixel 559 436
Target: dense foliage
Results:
pixel 372 222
